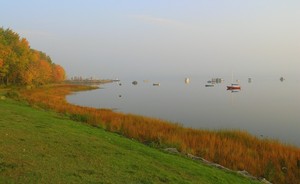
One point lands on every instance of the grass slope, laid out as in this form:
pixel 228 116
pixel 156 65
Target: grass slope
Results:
pixel 37 146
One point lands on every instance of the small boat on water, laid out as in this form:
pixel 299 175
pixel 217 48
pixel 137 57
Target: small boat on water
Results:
pixel 249 80
pixel 187 80
pixel 156 84
pixel 234 87
pixel 209 85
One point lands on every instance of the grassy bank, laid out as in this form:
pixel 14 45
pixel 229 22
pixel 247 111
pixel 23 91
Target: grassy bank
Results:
pixel 38 146
pixel 236 150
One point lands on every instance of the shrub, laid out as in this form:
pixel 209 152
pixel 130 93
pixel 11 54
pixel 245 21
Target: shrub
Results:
pixel 13 94
pixel 79 117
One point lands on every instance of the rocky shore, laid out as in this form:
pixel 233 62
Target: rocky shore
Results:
pixel 206 162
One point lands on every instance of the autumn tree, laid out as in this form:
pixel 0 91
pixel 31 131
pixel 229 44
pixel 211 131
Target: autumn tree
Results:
pixel 58 73
pixel 21 65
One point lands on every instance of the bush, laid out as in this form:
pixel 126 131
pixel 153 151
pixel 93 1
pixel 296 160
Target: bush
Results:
pixel 79 117
pixel 13 94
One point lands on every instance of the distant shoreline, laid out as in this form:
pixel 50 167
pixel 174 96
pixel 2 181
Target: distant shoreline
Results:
pixel 90 82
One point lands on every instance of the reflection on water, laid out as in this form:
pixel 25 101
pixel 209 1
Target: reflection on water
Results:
pixel 266 108
pixel 234 90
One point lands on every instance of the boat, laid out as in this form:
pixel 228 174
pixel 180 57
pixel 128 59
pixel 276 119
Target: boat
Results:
pixel 209 85
pixel 134 82
pixel 187 80
pixel 234 87
pixel 156 84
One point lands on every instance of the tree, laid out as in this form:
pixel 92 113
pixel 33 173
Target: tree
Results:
pixel 21 65
pixel 58 73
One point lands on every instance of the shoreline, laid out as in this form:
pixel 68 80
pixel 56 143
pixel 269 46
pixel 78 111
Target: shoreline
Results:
pixel 237 150
pixel 183 120
pixel 35 140
pixel 89 82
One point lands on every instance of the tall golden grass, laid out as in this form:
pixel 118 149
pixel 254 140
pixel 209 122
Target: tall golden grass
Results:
pixel 236 150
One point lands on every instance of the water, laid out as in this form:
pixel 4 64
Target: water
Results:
pixel 265 107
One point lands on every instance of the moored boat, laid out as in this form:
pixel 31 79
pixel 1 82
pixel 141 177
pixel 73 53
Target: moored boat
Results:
pixel 209 85
pixel 187 80
pixel 234 87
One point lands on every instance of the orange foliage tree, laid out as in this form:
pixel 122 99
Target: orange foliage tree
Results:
pixel 58 73
pixel 21 65
pixel 44 74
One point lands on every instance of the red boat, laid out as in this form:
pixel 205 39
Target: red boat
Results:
pixel 234 87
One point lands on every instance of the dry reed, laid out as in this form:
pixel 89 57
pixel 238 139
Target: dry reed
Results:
pixel 236 150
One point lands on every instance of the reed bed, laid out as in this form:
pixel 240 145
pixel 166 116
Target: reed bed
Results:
pixel 237 150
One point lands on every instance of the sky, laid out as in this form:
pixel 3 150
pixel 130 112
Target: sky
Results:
pixel 165 38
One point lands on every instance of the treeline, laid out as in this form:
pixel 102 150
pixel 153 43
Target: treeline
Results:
pixel 21 65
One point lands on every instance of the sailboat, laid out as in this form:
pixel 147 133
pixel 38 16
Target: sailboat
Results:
pixel 233 86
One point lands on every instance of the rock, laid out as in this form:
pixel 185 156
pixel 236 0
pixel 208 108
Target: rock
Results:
pixel 284 169
pixel 220 167
pixel 172 150
pixel 265 181
pixel 246 174
pixel 193 156
pixel 207 162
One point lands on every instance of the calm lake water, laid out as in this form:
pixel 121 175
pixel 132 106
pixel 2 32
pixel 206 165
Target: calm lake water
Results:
pixel 265 107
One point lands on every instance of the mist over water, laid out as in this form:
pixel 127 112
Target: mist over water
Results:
pixel 265 107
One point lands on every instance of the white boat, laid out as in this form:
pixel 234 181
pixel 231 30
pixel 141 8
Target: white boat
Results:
pixel 187 80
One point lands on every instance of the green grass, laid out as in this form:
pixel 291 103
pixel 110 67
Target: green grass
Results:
pixel 38 146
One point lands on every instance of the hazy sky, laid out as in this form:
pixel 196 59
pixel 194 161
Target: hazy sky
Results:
pixel 139 38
